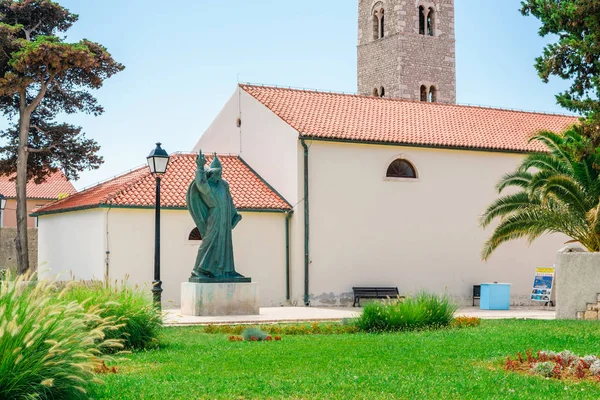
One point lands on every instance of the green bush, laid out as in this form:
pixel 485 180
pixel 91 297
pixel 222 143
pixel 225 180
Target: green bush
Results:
pixel 254 334
pixel 140 322
pixel 47 350
pixel 423 311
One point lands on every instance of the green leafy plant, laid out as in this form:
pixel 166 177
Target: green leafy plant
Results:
pixel 140 321
pixel 47 350
pixel 423 311
pixel 254 334
pixel 558 192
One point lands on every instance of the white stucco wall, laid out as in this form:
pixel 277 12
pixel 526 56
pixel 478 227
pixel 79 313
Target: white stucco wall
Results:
pixel 259 248
pixel 264 141
pixel 424 234
pixel 72 244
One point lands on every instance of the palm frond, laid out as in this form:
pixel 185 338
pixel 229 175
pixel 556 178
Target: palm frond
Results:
pixel 564 189
pixel 505 206
pixel 519 179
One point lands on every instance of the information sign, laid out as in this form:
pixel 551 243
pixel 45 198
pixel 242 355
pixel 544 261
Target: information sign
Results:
pixel 542 284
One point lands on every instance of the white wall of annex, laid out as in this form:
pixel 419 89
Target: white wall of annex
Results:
pixel 422 234
pixel 71 244
pixel 264 141
pixel 259 248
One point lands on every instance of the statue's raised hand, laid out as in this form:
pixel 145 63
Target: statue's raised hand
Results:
pixel 200 160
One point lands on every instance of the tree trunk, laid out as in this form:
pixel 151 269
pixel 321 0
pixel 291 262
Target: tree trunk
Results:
pixel 21 239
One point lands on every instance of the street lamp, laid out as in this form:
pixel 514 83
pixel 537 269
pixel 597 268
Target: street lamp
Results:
pixel 158 160
pixel 2 207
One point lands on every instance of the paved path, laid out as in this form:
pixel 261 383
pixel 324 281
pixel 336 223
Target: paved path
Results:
pixel 268 315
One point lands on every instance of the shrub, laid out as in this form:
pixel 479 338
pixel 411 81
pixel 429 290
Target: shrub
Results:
pixel 424 311
pixel 133 309
pixel 254 334
pixel 47 350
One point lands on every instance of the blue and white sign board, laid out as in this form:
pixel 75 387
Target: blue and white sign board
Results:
pixel 542 284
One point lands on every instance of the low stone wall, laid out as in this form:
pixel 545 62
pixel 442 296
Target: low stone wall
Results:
pixel 577 283
pixel 8 250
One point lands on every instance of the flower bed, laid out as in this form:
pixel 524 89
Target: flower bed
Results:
pixel 294 329
pixel 550 364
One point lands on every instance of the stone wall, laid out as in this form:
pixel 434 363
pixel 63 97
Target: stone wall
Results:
pixel 8 251
pixel 577 283
pixel 403 59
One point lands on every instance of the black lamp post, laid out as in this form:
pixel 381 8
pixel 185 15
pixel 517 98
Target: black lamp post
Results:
pixel 158 160
pixel 2 206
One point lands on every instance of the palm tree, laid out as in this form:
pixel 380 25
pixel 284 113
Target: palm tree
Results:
pixel 557 192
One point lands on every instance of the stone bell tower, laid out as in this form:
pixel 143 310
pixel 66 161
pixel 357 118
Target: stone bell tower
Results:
pixel 406 49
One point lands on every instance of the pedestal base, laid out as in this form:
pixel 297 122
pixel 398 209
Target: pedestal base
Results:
pixel 216 299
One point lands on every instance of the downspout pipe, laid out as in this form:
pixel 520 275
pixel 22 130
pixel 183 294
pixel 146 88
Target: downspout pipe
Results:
pixel 288 215
pixel 306 225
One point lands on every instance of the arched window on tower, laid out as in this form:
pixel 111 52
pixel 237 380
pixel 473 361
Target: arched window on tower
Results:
pixel 378 21
pixel 421 20
pixel 431 22
pixel 401 168
pixel 423 93
pixel 375 26
pixel 432 94
pixel 382 92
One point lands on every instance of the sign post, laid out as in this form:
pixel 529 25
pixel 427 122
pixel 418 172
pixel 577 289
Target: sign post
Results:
pixel 543 284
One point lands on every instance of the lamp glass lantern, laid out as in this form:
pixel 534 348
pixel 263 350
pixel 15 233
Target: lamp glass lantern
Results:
pixel 2 202
pixel 158 160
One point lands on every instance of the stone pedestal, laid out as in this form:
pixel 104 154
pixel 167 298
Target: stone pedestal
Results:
pixel 216 299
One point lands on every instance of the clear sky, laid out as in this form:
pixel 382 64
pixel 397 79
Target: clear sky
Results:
pixel 183 60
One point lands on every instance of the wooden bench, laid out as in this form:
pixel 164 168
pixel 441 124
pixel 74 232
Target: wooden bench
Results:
pixel 373 293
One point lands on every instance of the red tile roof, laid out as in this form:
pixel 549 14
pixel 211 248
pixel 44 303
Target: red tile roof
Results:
pixel 55 185
pixel 371 119
pixel 137 188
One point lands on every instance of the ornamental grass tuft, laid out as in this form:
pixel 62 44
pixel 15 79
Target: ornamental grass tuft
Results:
pixel 140 321
pixel 423 311
pixel 47 350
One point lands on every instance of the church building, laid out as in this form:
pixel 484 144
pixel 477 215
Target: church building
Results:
pixel 381 188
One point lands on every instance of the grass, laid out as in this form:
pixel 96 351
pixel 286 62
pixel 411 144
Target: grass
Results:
pixel 140 322
pixel 422 311
pixel 47 350
pixel 442 364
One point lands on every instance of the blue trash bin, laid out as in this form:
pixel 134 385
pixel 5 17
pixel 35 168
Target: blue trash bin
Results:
pixel 495 296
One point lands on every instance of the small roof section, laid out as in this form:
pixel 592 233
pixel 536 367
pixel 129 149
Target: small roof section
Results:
pixel 56 184
pixel 137 188
pixel 346 117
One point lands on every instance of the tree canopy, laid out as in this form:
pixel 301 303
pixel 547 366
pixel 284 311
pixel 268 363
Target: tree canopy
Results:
pixel 574 56
pixel 42 75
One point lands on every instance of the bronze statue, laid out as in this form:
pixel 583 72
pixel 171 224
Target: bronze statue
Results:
pixel 211 206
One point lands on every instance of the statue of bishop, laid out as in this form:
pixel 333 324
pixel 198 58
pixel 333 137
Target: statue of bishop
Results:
pixel 211 206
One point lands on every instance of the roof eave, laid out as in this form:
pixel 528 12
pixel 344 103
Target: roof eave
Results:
pixel 304 136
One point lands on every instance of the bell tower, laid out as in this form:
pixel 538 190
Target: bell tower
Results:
pixel 406 49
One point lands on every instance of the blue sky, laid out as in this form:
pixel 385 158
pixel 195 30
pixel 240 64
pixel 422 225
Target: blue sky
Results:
pixel 183 60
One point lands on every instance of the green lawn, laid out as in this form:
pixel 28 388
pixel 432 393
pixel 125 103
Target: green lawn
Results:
pixel 447 364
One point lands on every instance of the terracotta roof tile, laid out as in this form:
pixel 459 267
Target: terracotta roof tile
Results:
pixel 55 185
pixel 137 188
pixel 372 119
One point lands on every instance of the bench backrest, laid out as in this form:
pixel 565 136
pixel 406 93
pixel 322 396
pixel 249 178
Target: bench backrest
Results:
pixel 376 291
